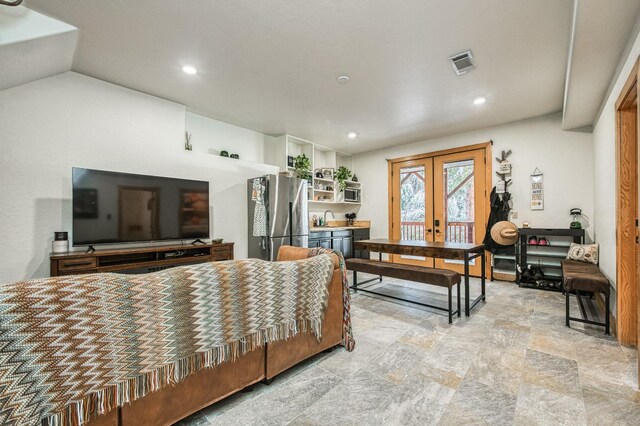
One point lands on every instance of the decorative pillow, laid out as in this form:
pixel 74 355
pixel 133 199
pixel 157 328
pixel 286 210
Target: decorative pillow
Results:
pixel 583 253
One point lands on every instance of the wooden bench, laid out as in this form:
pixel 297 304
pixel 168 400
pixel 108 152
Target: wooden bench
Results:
pixel 421 274
pixel 587 277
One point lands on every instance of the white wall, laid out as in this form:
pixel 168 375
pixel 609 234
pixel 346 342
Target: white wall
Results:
pixel 212 136
pixel 604 147
pixel 51 125
pixel 338 210
pixel 565 158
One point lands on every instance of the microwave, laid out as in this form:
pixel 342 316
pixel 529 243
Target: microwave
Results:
pixel 352 195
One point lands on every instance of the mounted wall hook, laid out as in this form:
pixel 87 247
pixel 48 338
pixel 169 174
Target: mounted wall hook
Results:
pixel 504 170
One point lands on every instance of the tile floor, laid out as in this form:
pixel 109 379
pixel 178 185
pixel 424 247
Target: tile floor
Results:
pixel 512 362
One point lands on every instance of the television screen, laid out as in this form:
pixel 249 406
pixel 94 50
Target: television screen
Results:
pixel 110 207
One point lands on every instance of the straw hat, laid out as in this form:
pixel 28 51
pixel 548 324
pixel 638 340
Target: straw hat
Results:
pixel 504 233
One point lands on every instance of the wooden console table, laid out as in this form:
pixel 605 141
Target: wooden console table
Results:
pixel 138 260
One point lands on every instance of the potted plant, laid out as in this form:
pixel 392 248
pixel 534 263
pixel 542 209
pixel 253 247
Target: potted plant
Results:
pixel 342 175
pixel 302 166
pixel 350 218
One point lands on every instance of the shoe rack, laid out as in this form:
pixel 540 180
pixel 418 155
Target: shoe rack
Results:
pixel 547 257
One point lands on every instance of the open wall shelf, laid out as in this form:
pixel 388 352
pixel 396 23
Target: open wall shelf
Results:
pixel 321 190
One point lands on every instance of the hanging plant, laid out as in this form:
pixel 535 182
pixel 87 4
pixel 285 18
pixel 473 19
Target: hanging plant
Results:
pixel 342 175
pixel 302 166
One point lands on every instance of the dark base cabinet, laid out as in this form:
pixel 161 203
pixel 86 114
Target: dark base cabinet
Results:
pixel 340 240
pixel 320 239
pixel 359 235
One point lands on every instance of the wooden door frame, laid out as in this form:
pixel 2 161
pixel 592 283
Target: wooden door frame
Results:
pixel 487 146
pixel 627 307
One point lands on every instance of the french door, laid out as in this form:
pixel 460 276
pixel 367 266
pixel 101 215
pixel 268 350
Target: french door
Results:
pixel 412 181
pixel 440 198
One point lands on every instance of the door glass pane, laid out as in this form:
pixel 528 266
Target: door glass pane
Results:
pixel 459 203
pixel 412 203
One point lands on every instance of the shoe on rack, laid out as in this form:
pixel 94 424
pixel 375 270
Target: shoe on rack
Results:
pixel 543 242
pixel 538 275
pixel 526 275
pixel 533 240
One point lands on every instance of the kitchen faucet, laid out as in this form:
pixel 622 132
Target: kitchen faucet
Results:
pixel 325 216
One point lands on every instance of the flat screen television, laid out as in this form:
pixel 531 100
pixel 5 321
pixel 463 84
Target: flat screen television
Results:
pixel 111 207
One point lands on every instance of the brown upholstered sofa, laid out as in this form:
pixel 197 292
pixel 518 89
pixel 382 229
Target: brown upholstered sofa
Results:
pixel 207 386
pixel 287 353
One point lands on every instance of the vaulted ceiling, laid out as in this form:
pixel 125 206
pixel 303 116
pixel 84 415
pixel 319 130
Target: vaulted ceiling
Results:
pixel 271 65
pixel 33 46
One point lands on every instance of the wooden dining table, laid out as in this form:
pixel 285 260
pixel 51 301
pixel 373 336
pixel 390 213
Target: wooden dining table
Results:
pixel 443 250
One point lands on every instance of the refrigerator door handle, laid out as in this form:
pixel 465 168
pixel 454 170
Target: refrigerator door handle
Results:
pixel 291 223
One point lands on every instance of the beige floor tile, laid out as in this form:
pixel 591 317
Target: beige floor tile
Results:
pixel 553 341
pixel 512 362
pixel 499 368
pixel 553 373
pixel 540 406
pixel 343 363
pixel 411 405
pixel 422 338
pixel 477 403
pixel 607 408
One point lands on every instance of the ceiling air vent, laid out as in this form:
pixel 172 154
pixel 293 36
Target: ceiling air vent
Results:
pixel 462 63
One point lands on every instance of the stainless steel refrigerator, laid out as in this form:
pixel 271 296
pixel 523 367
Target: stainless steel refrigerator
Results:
pixel 278 215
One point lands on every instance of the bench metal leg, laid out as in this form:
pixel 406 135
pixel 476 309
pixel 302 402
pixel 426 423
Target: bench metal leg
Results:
pixel 458 291
pixel 466 284
pixel 567 308
pixel 483 271
pixel 355 284
pixel 606 313
pixel 450 307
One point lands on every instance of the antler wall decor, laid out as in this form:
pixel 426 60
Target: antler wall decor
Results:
pixel 503 176
pixel 10 3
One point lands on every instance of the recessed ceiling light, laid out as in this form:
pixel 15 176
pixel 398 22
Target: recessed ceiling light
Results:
pixel 352 135
pixel 189 69
pixel 343 79
pixel 479 100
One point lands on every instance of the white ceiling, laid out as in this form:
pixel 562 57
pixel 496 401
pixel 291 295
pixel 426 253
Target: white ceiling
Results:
pixel 600 32
pixel 33 46
pixel 271 65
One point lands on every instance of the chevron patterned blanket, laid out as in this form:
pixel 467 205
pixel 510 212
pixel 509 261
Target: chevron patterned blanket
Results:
pixel 74 347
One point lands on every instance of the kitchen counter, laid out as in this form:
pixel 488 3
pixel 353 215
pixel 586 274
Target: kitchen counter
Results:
pixel 341 225
pixel 335 228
